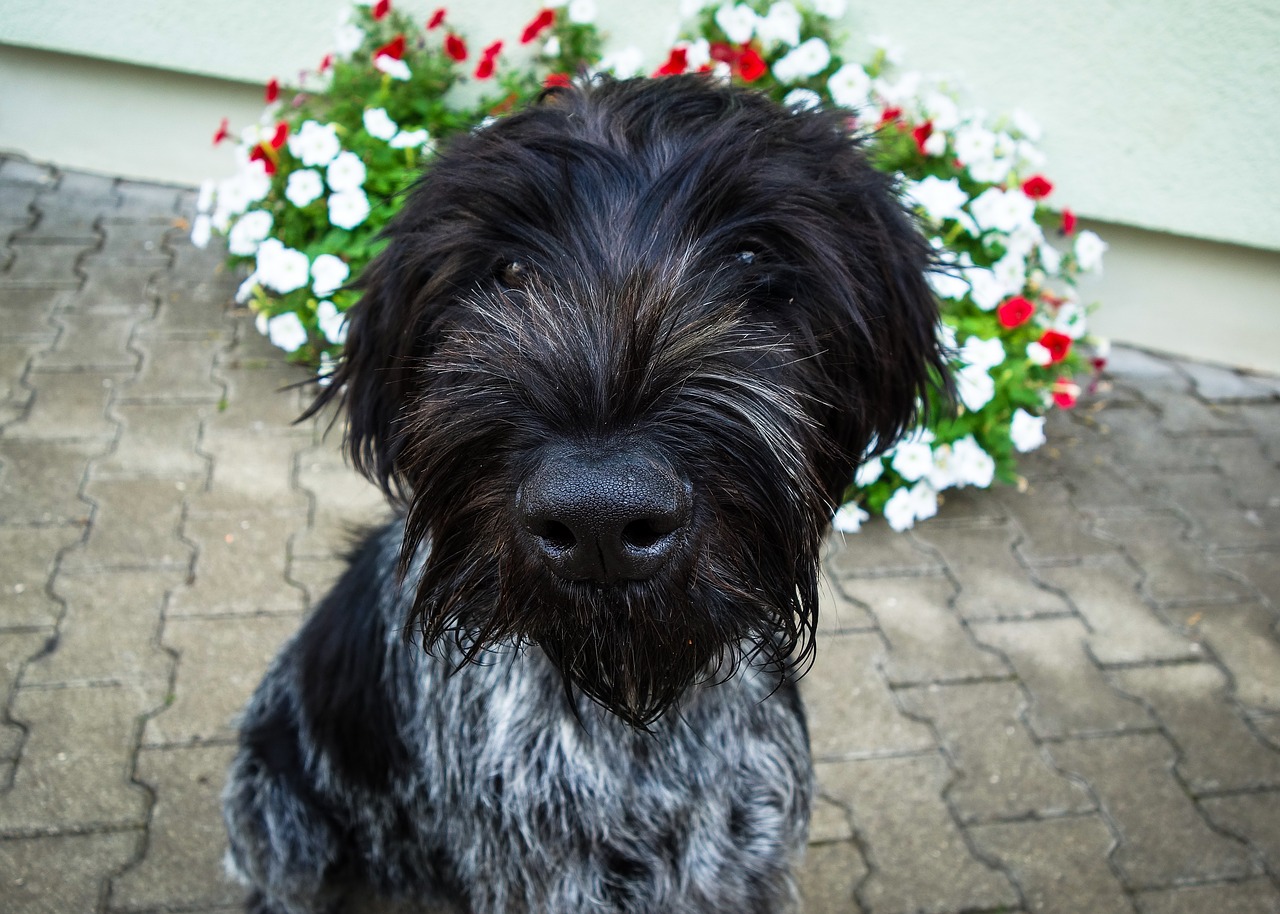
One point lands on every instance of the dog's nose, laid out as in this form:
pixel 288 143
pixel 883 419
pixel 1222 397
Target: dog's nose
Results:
pixel 609 519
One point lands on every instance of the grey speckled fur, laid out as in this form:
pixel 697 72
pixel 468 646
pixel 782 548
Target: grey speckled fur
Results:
pixel 512 802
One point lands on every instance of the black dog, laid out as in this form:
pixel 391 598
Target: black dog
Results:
pixel 617 363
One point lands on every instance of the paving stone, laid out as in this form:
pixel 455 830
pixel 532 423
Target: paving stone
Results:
pixel 1218 751
pixel 1061 864
pixel 201 264
pixel 135 525
pixel 1177 573
pixel 157 439
pixel 1255 896
pixel 967 507
pixel 1052 531
pixel 192 308
pixel 131 245
pixel 828 877
pixel 837 612
pixel 1212 382
pixel 45 266
pixel 344 502
pixel 1260 569
pixel 1002 773
pixel 851 711
pixel 1183 415
pixel 175 370
pixel 1128 363
pixel 118 291
pixel 94 341
pixel 1124 629
pixel 16 648
pixel 1069 695
pixel 1163 840
pixel 1134 438
pixel 16 211
pixel 829 821
pixel 1244 638
pixel 109 633
pixel 30 556
pixel 74 771
pixel 250 471
pixel 156 203
pixel 63 874
pixel 993 585
pixel 918 857
pixel 1252 816
pixel 1208 501
pixel 240 566
pixel 316 577
pixel 220 662
pixel 182 867
pixel 1267 726
pixel 67 405
pixel 27 314
pixel 263 400
pixel 1262 420
pixel 40 480
pixel 1250 473
pixel 878 551
pixel 927 641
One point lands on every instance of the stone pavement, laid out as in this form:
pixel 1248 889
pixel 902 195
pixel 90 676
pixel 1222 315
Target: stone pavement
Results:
pixel 1059 700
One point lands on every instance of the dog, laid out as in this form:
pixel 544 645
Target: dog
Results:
pixel 615 367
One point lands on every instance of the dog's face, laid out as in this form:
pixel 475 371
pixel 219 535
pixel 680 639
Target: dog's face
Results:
pixel 620 358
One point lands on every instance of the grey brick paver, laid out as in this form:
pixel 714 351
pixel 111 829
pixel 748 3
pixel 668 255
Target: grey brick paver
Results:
pixel 1163 839
pixel 163 524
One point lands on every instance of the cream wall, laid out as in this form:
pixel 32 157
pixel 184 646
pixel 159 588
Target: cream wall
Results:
pixel 1158 114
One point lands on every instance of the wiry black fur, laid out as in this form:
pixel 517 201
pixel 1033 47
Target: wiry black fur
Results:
pixel 666 268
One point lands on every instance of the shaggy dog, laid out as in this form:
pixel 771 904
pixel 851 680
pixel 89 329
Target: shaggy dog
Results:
pixel 616 365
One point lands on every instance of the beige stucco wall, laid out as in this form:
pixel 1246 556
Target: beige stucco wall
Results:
pixel 1158 114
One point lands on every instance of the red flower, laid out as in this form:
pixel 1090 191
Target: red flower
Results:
pixel 724 53
pixel 492 50
pixel 542 21
pixel 1058 344
pixel 890 114
pixel 1065 393
pixel 1015 312
pixel 1068 222
pixel 677 63
pixel 751 66
pixel 381 8
pixel 223 132
pixel 556 81
pixel 922 133
pixel 436 18
pixel 326 62
pixel 273 90
pixel 455 47
pixel 281 134
pixel 393 49
pixel 487 57
pixel 260 154
pixel 1037 187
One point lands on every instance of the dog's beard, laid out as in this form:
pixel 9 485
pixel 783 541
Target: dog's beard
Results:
pixel 634 648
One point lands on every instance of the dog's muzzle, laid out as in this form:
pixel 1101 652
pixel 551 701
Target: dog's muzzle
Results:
pixel 605 518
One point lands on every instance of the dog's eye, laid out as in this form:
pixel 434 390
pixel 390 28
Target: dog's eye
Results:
pixel 746 256
pixel 513 274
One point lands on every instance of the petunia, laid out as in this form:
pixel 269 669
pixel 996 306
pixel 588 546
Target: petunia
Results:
pixel 1026 431
pixel 328 273
pixel 410 139
pixel 272 92
pixel 249 232
pixel 315 144
pixel 544 20
pixel 677 62
pixel 1037 187
pixel 285 331
pixel 751 65
pixel 303 186
pixel 333 323
pixel 975 387
pixel 436 18
pixel 582 11
pixel 803 61
pixel 455 47
pixel 972 465
pixel 849 86
pixel 868 472
pixel 1089 249
pixel 1039 355
pixel 281 268
pixel 985 353
pixel 849 519
pixel 781 25
pixel 1014 312
pixel 1065 393
pixel 345 172
pixel 1003 211
pixel 379 124
pixel 348 208
pixel 738 22
pixel 201 230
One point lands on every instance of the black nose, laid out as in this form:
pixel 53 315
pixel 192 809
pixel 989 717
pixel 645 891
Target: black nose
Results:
pixel 614 518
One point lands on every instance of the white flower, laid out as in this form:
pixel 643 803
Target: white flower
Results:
pixel 942 475
pixel 1089 249
pixel 986 354
pixel 946 335
pixel 985 289
pixel 1050 259
pixel 410 139
pixel 346 172
pixel 348 208
pixel 1039 355
pixel 868 473
pixel 552 47
pixel 1022 240
pixel 803 61
pixel 245 290
pixel 940 110
pixel 991 171
pixel 582 11
pixel 737 22
pixel 974 143
pixel 315 144
pixel 284 330
pixel 304 186
pixel 948 282
pixel 333 323
pixel 347 39
pixel 781 25
pixel 900 92
pixel 971 464
pixel 1003 211
pixel 624 63
pixel 849 86
pixel 379 124
pixel 393 67
pixel 831 9
pixel 849 519
pixel 204 202
pixel 912 457
pixel 1071 320
pixel 936 143
pixel 1026 430
pixel 201 229
pixel 329 273
pixel 802 99
pixel 249 232
pixel 975 386
pixel 282 268
pixel 697 54
pixel 1011 272
pixel 941 200
pixel 899 511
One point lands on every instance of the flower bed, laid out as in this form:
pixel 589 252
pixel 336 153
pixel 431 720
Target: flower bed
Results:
pixel 318 176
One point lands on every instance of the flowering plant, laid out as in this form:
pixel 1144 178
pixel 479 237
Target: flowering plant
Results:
pixel 318 174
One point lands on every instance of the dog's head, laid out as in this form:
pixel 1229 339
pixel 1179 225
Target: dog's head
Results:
pixel 619 359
